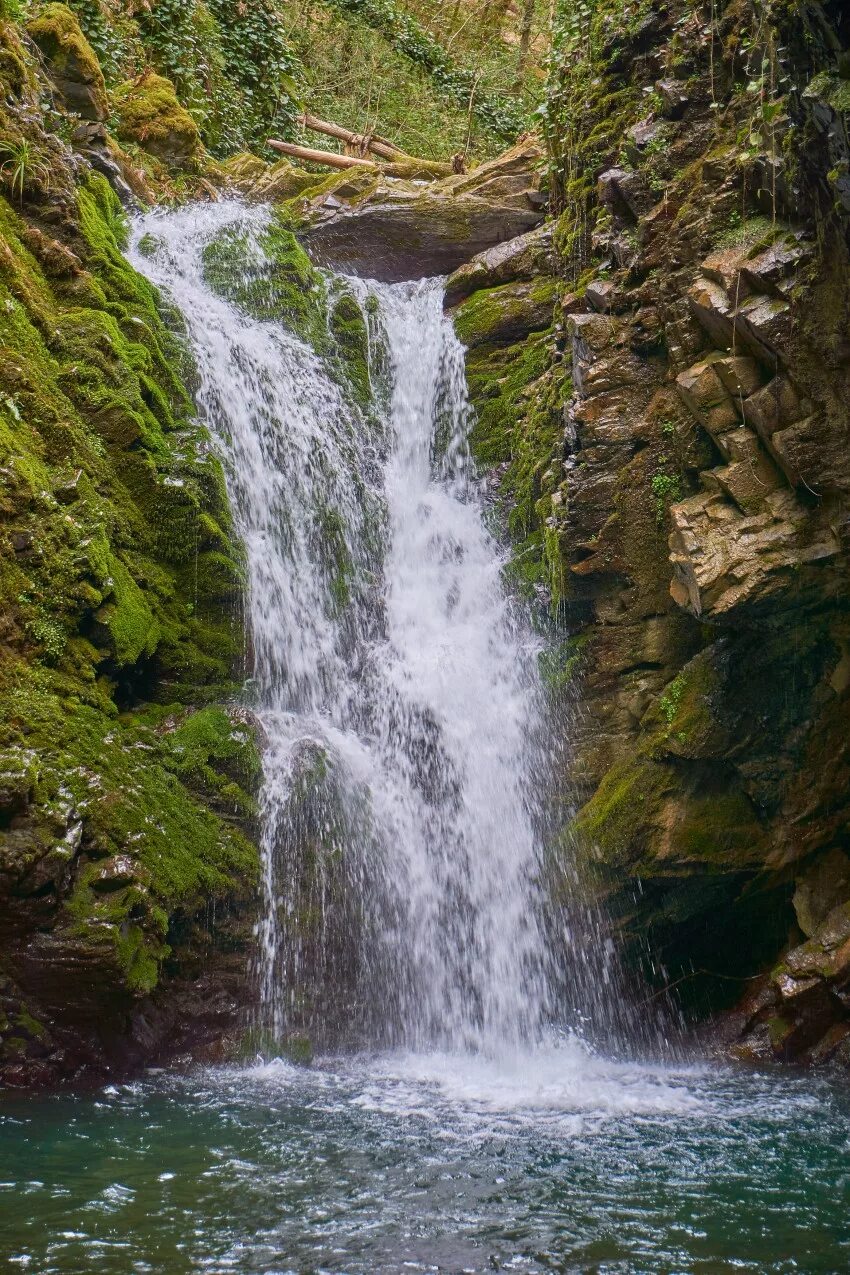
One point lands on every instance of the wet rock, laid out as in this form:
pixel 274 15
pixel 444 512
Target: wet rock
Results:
pixel 726 560
pixel 519 259
pixel 114 873
pixel 67 491
pixel 674 98
pixel 403 230
pixel 424 235
pixel 821 888
pixel 602 296
pixel 641 136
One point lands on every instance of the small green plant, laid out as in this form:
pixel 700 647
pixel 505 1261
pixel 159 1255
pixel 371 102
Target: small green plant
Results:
pixel 666 490
pixel 10 405
pixel 22 167
pixel 50 635
pixel 13 10
pixel 672 697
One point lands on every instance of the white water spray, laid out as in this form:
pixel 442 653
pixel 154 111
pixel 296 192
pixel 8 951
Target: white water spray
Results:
pixel 394 680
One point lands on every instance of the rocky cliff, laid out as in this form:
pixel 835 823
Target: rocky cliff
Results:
pixel 675 465
pixel 127 865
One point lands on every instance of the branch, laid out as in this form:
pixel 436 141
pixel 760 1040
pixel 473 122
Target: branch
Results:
pixel 405 166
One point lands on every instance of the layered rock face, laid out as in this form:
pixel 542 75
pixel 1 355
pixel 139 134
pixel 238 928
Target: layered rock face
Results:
pixel 393 229
pixel 685 505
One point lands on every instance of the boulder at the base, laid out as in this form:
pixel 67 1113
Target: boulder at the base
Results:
pixel 394 230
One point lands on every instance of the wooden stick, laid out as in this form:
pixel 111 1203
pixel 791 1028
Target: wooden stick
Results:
pixel 319 157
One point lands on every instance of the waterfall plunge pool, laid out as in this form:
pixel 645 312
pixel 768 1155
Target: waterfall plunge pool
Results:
pixel 406 1163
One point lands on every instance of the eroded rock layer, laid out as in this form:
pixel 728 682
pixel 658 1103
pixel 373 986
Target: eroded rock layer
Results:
pixel 677 468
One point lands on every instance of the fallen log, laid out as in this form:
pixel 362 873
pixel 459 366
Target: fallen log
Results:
pixel 378 145
pixel 406 166
pixel 311 156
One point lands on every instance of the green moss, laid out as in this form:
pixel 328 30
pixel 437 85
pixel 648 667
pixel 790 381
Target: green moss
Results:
pixel 652 815
pixel 497 316
pixel 350 333
pixel 671 699
pixel 25 1022
pixel 115 558
pixel 149 114
pixel 133 631
pixel 832 89
pixel 720 828
pixel 561 663
pixel 150 793
pixel 618 820
pixel 518 426
pixel 277 282
pixel 216 755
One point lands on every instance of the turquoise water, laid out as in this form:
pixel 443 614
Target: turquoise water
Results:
pixel 552 1161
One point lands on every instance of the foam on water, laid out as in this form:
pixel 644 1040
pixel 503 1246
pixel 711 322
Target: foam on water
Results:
pixel 556 1085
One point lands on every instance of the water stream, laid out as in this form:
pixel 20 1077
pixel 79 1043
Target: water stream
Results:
pixel 394 678
pixel 456 1119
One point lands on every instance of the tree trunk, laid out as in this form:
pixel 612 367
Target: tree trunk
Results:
pixel 524 38
pixel 319 157
pixel 405 166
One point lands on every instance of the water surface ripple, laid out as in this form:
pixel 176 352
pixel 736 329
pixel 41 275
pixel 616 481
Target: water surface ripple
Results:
pixel 555 1161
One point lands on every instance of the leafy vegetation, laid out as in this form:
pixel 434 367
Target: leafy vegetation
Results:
pixel 21 166
pixel 503 117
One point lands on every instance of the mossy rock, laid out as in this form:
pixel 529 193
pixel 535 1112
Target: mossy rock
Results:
pixel 71 61
pixel 277 282
pixel 150 115
pixel 350 334
pixel 503 315
pixel 518 426
pixel 116 558
pixel 654 816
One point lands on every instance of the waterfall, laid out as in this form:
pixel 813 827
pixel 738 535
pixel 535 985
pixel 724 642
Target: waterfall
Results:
pixel 394 679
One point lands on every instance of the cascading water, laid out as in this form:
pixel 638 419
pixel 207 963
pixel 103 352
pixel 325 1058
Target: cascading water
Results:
pixel 394 679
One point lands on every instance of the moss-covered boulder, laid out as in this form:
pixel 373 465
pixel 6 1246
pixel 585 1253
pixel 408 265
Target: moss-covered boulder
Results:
pixel 71 62
pixel 505 314
pixel 257 180
pixel 149 114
